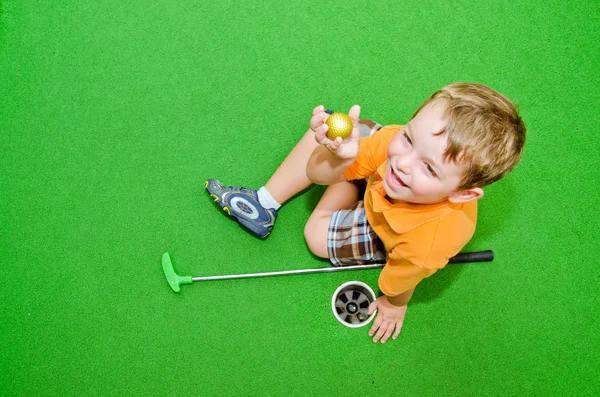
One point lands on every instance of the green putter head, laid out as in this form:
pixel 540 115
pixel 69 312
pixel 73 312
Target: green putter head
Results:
pixel 173 278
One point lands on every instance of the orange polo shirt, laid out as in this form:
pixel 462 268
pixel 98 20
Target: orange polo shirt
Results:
pixel 419 239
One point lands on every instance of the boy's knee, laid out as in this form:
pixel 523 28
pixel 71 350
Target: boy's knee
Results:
pixel 315 238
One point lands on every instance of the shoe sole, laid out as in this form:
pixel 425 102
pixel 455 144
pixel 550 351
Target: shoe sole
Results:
pixel 216 200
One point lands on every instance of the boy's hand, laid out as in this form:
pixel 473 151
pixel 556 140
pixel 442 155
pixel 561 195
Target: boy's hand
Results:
pixel 389 319
pixel 341 148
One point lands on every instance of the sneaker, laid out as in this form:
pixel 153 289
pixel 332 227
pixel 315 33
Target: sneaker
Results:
pixel 242 204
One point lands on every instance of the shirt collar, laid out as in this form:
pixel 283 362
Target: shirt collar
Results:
pixel 404 217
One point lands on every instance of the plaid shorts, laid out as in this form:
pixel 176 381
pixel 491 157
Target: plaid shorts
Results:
pixel 351 240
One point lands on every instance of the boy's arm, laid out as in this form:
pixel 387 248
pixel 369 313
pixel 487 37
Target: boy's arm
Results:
pixel 330 159
pixel 402 299
pixel 397 280
pixel 325 168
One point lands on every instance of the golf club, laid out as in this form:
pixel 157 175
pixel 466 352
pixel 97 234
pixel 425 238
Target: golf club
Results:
pixel 175 280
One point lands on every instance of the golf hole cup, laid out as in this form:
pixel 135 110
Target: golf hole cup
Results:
pixel 350 304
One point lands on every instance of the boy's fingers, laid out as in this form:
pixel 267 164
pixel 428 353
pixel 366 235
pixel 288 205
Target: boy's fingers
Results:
pixel 335 144
pixel 322 140
pixel 388 333
pixel 376 324
pixel 381 332
pixel 315 118
pixel 318 118
pixel 372 307
pixel 354 113
pixel 320 133
pixel 398 329
pixel 318 109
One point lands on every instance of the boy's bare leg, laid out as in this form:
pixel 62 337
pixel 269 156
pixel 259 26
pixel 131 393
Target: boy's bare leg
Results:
pixel 340 195
pixel 290 177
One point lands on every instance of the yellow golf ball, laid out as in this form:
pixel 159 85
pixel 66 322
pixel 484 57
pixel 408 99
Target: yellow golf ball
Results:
pixel 340 124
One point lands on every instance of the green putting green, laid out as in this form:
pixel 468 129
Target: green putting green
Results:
pixel 113 114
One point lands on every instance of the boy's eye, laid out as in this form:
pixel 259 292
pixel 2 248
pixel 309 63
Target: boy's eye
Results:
pixel 407 139
pixel 431 171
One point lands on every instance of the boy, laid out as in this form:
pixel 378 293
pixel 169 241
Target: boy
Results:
pixel 420 204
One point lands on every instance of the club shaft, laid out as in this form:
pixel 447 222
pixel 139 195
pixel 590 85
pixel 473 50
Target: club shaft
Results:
pixel 291 272
pixel 482 256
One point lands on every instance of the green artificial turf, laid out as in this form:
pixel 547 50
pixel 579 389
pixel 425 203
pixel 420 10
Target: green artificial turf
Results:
pixel 114 113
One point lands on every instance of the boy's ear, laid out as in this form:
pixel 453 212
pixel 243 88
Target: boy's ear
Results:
pixel 464 196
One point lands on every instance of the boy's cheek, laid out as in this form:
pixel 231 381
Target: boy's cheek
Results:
pixel 422 188
pixel 393 149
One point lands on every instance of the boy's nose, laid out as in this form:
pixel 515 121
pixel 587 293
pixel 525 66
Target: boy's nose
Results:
pixel 403 164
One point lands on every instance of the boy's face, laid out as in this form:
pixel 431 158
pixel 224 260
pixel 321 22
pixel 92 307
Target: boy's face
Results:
pixel 416 172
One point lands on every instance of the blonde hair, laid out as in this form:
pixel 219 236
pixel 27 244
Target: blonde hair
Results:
pixel 484 131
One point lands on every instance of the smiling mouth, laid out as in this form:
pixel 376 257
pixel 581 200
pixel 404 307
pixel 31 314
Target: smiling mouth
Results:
pixel 396 179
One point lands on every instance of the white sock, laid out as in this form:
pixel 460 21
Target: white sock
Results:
pixel 266 200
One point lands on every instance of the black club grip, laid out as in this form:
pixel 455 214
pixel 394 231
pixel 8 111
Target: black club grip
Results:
pixel 479 256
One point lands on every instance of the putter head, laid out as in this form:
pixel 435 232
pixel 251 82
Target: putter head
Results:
pixel 173 278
